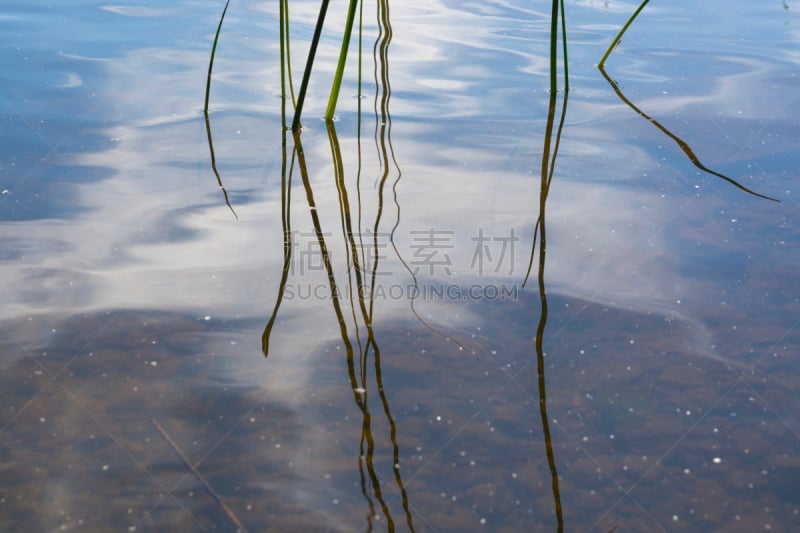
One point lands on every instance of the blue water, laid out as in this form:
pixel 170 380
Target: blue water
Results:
pixel 135 300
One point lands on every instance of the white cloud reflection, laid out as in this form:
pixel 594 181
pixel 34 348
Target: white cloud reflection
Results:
pixel 157 234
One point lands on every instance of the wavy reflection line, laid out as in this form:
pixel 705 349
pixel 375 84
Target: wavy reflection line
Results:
pixel 346 224
pixel 287 168
pixel 355 260
pixel 334 296
pixel 205 113
pixel 548 165
pixel 383 136
pixel 362 299
pixel 549 156
pixel 383 141
pixel 359 383
pixel 685 148
pixel 359 393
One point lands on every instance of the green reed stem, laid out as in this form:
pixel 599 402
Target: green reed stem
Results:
pixel 286 54
pixel 616 40
pixel 553 47
pixel 564 42
pixel 282 37
pixel 337 79
pixel 213 51
pixel 312 52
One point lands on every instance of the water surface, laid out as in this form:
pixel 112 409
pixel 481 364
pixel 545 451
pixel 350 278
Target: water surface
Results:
pixel 135 300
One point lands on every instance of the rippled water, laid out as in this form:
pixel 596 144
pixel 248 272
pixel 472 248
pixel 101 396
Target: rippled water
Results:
pixel 138 306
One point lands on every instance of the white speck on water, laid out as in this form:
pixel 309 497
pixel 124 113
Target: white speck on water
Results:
pixel 153 363
pixel 483 521
pixel 674 518
pixel 42 419
pixel 105 467
pixel 207 318
pixel 359 390
pixel 716 460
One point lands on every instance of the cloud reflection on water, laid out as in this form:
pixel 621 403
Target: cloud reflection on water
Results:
pixel 157 235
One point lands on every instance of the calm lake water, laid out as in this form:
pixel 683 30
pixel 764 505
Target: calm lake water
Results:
pixel 168 364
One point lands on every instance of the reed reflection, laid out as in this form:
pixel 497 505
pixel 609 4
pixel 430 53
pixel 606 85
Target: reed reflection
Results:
pixel 685 148
pixel 356 329
pixel 205 113
pixel 547 169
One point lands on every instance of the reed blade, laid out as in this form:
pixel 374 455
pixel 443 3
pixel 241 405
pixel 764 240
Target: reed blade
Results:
pixel 312 52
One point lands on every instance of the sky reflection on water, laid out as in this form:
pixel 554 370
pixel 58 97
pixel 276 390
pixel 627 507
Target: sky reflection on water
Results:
pixel 132 293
